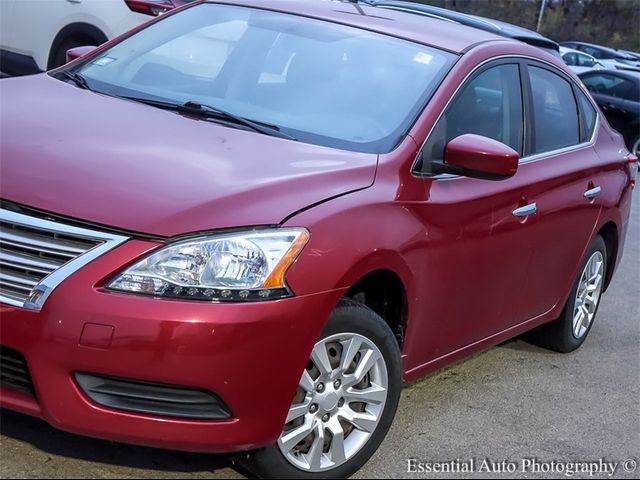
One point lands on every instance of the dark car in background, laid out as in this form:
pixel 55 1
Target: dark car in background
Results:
pixel 618 95
pixel 491 25
pixel 635 55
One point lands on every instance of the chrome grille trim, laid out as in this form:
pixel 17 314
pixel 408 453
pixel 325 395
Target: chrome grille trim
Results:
pixel 36 255
pixel 33 262
pixel 39 243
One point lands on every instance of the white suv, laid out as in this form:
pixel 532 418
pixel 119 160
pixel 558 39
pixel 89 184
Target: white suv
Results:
pixel 579 61
pixel 35 34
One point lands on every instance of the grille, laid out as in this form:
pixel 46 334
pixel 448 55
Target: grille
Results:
pixel 37 254
pixel 14 373
pixel 28 255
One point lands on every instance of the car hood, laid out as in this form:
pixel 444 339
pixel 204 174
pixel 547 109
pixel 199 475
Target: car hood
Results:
pixel 134 167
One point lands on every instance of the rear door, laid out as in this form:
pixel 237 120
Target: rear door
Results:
pixel 565 184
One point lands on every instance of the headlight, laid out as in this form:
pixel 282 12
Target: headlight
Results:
pixel 235 267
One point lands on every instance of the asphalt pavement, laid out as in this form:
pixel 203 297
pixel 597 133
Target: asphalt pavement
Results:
pixel 515 408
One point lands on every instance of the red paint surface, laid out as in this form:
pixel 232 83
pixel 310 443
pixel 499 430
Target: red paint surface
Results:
pixel 473 274
pixel 95 335
pixel 475 152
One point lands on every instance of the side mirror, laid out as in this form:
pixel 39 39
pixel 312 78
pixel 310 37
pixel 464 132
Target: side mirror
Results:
pixel 480 157
pixel 78 52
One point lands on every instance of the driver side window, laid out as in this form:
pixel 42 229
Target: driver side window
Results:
pixel 570 58
pixel 489 105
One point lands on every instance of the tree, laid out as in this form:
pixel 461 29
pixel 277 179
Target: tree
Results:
pixel 613 23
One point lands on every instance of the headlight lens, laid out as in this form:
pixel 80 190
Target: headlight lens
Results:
pixel 235 267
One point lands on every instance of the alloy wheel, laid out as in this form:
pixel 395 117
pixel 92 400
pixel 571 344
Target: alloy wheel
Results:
pixel 338 404
pixel 588 294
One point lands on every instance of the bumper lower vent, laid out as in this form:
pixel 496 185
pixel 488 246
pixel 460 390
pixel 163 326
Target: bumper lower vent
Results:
pixel 14 372
pixel 152 398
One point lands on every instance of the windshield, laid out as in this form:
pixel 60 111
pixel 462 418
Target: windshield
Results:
pixel 316 81
pixel 627 60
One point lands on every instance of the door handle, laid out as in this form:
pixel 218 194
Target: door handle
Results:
pixel 592 192
pixel 525 211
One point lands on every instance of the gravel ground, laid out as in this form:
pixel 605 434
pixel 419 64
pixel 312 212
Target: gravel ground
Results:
pixel 510 403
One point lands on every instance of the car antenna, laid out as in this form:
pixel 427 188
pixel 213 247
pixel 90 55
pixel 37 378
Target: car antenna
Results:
pixel 356 3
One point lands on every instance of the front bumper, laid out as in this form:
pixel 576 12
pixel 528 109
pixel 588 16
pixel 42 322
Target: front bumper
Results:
pixel 250 355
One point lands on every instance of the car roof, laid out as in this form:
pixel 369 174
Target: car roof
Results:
pixel 586 44
pixel 564 50
pixel 418 28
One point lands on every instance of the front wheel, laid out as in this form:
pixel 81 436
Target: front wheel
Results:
pixel 345 402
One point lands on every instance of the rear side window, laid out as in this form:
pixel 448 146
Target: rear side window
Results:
pixel 587 117
pixel 489 105
pixel 555 113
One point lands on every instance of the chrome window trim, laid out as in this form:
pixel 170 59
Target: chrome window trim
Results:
pixel 524 160
pixel 43 289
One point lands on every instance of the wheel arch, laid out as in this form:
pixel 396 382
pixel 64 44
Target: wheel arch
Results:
pixel 383 292
pixel 611 237
pixel 76 29
pixel 383 283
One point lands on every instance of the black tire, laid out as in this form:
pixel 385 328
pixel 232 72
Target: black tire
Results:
pixel 558 335
pixel 634 146
pixel 352 317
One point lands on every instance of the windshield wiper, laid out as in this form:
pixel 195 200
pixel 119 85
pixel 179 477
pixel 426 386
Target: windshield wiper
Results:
pixel 78 79
pixel 209 111
pixel 193 108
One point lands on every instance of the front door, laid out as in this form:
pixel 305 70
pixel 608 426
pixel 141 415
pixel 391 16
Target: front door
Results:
pixel 474 238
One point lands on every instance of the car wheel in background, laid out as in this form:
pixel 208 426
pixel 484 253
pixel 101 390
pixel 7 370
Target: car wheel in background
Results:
pixel 60 56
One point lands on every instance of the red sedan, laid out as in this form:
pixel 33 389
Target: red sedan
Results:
pixel 242 227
